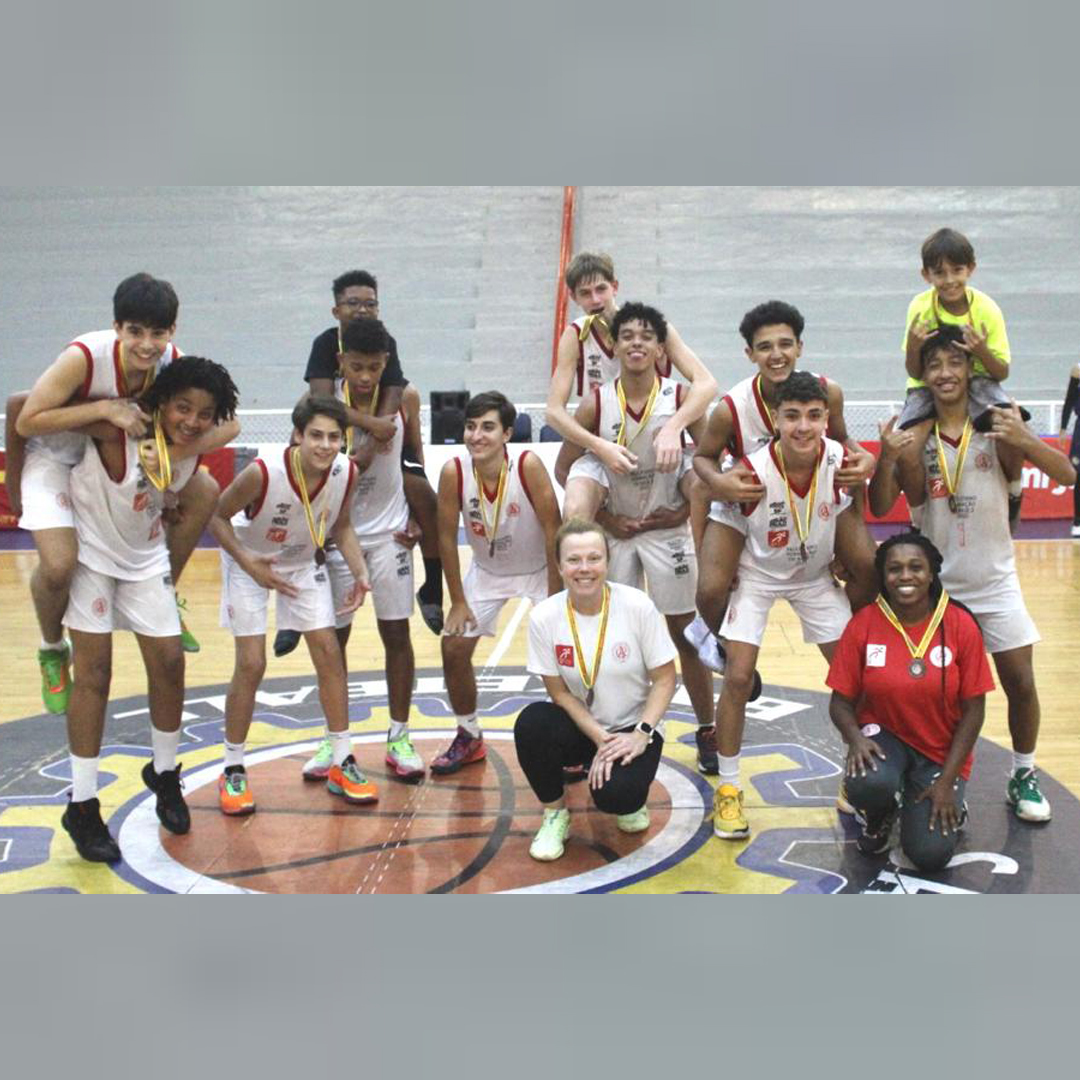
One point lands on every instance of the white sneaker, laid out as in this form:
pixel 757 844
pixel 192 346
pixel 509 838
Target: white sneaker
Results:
pixel 318 767
pixel 636 822
pixel 1075 530
pixel 1024 796
pixel 708 648
pixel 550 842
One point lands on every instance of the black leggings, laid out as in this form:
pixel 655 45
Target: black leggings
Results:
pixel 547 739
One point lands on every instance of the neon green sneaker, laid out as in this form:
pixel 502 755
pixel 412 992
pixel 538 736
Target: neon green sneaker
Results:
pixel 638 821
pixel 318 767
pixel 403 760
pixel 1024 796
pixel 187 639
pixel 55 678
pixel 550 842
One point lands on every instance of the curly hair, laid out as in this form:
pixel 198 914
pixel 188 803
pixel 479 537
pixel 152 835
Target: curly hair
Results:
pixel 198 373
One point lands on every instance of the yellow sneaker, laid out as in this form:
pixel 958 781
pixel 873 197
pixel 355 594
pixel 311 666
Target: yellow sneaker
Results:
pixel 728 820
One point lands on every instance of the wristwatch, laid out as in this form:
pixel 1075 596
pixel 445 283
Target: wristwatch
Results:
pixel 646 729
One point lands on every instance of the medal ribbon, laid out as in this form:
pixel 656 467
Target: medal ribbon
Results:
pixel 763 408
pixel 621 439
pixel 916 651
pixel 598 655
pixel 148 376
pixel 161 478
pixel 347 398
pixel 318 537
pixel 952 483
pixel 587 325
pixel 802 531
pixel 500 494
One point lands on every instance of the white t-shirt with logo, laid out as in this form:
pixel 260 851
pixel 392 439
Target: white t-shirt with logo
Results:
pixel 636 641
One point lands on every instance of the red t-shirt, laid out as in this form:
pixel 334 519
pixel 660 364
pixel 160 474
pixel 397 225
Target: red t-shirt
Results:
pixel 872 660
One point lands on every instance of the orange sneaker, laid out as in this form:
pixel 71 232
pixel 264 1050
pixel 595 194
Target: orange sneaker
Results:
pixel 234 795
pixel 346 779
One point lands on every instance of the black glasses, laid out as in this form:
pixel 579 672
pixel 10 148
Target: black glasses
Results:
pixel 365 305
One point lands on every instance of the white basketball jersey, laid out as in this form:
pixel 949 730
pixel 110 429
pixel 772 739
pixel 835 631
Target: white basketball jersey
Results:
pixel 277 524
pixel 596 362
pixel 751 421
pixel 118 521
pixel 104 379
pixel 974 541
pixel 519 542
pixel 639 493
pixel 379 505
pixel 772 549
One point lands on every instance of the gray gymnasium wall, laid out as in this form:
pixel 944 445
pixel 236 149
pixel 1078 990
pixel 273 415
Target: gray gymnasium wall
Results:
pixel 467 274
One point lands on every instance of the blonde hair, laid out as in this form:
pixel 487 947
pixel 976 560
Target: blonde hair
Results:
pixel 577 526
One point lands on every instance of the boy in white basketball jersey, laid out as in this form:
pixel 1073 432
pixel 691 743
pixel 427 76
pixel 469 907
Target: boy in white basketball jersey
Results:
pixel 379 515
pixel 789 533
pixel 955 480
pixel 586 349
pixel 95 378
pixel 294 501
pixel 645 512
pixel 511 515
pixel 743 422
pixel 120 490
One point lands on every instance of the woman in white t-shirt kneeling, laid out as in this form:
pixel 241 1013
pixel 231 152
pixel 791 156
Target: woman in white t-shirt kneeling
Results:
pixel 608 664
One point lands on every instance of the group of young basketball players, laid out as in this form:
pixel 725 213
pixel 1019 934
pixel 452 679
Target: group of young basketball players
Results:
pixel 715 514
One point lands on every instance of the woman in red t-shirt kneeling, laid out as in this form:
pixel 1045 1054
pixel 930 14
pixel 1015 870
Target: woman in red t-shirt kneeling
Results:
pixel 909 680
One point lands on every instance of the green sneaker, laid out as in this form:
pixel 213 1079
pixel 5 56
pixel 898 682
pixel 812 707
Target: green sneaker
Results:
pixel 318 768
pixel 1024 796
pixel 187 638
pixel 638 821
pixel 404 761
pixel 550 842
pixel 55 678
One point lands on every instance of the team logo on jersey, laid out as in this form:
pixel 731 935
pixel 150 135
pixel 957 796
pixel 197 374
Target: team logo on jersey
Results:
pixel 140 502
pixel 63 501
pixel 276 536
pixel 512 510
pixel 155 529
pixel 938 488
pixel 621 651
pixel 983 462
pixel 778 538
pixel 936 656
pixel 823 511
pixel 476 528
pixel 875 655
pixel 564 655
pixel 100 606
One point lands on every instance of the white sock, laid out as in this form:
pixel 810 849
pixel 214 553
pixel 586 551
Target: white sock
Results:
pixel 470 724
pixel 1016 487
pixel 56 645
pixel 397 729
pixel 1023 761
pixel 234 753
pixel 164 744
pixel 729 770
pixel 342 745
pixel 84 772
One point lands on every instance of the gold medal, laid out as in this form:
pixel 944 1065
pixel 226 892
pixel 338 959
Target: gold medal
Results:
pixel 917 667
pixel 621 439
pixel 587 325
pixel 500 493
pixel 587 677
pixel 952 483
pixel 318 535
pixel 161 476
pixel 763 408
pixel 801 530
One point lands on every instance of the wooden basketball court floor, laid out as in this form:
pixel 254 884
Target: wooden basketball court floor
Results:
pixel 438 835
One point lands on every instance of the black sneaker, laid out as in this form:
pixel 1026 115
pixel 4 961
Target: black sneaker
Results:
pixel 874 837
pixel 432 614
pixel 92 839
pixel 708 756
pixel 285 641
pixel 172 811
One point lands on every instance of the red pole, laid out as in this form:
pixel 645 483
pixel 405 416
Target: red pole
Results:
pixel 566 243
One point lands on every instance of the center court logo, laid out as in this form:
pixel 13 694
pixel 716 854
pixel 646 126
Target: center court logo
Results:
pixel 470 832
